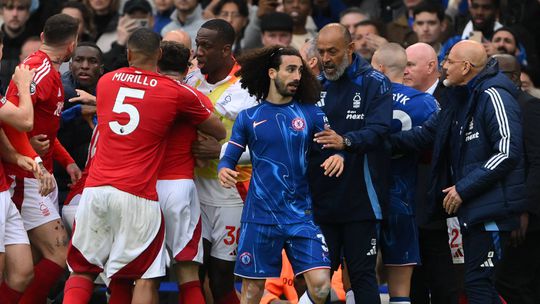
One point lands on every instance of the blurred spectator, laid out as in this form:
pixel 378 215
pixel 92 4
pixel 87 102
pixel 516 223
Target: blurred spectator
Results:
pixel 75 131
pixel 77 10
pixel 106 14
pixel 310 54
pixel 328 11
pixel 400 30
pixel 299 10
pixel 276 29
pixel 236 12
pixel 187 17
pixel 351 17
pixel 429 24
pixel 137 14
pixel 162 17
pixel 505 41
pixel 368 37
pixel 30 46
pixel 183 38
pixel 527 83
pixel 15 14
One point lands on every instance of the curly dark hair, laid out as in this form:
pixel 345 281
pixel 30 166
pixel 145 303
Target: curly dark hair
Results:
pixel 254 72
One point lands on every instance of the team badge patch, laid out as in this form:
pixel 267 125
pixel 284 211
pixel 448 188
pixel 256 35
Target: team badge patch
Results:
pixel 298 124
pixel 245 258
pixel 3 100
pixel 32 88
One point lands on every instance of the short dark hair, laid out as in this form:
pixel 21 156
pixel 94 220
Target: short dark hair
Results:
pixel 376 24
pixel 429 7
pixel 174 57
pixel 92 45
pixel 144 41
pixel 225 31
pixel 254 72
pixel 241 4
pixel 355 10
pixel 24 3
pixel 59 29
pixel 276 21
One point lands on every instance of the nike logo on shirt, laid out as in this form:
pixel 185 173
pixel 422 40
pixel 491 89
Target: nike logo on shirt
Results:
pixel 256 123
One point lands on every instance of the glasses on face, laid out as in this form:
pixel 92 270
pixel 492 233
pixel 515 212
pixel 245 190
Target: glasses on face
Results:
pixel 451 61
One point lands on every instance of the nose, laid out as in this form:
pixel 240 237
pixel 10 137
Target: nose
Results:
pixel 85 64
pixel 325 57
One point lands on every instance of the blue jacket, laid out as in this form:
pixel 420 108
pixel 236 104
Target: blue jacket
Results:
pixel 477 146
pixel 359 106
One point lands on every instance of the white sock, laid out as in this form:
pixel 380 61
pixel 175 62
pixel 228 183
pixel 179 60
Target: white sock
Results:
pixel 305 299
pixel 349 297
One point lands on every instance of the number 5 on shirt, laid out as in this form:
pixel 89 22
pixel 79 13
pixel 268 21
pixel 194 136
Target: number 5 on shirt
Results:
pixel 130 110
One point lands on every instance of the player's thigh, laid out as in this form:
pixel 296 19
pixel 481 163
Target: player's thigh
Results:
pixel 259 251
pixel 226 232
pixel 181 211
pixel 306 247
pixel 333 238
pixel 399 241
pixel 138 248
pixel 360 246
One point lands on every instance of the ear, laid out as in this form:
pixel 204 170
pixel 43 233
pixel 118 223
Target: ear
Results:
pixel 129 55
pixel 431 66
pixel 42 37
pixel 350 48
pixel 272 73
pixel 312 62
pixel 227 50
pixel 160 54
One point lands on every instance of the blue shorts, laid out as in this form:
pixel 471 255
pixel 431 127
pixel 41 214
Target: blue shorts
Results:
pixel 399 240
pixel 260 246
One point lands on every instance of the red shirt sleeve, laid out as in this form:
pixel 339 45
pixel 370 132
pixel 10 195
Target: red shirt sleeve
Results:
pixel 61 155
pixel 193 105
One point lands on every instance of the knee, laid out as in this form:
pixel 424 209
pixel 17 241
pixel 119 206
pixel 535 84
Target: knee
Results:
pixel 21 278
pixel 320 290
pixel 253 289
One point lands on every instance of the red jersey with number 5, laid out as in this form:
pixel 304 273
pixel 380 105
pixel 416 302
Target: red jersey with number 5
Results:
pixel 136 110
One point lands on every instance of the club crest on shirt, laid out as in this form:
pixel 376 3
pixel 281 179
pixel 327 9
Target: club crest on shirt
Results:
pixel 32 88
pixel 245 258
pixel 356 101
pixel 3 100
pixel 298 124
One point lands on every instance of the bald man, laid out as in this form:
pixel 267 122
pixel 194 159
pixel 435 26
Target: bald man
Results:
pixel 399 237
pixel 422 71
pixel 520 267
pixel 358 103
pixel 478 170
pixel 178 36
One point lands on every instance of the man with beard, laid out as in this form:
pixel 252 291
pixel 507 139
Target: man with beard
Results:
pixel 483 19
pixel 505 41
pixel 39 211
pixel 277 213
pixel 220 208
pixel 358 103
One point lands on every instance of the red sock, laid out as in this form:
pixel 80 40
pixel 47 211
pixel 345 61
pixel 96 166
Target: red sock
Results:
pixel 9 295
pixel 78 290
pixel 230 298
pixel 191 292
pixel 121 291
pixel 46 274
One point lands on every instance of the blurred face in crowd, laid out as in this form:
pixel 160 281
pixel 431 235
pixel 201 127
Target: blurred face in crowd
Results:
pixel 28 48
pixel 504 42
pixel 186 6
pixel 77 14
pixel 360 42
pixel 281 38
pixel 483 14
pixel 428 27
pixel 163 5
pixel 409 4
pixel 86 66
pixel 210 51
pixel 15 15
pixel 298 10
pixel 100 6
pixel 335 53
pixel 526 82
pixel 351 19
pixel 231 13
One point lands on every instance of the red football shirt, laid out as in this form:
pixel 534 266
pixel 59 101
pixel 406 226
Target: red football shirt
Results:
pixel 178 161
pixel 47 95
pixel 136 110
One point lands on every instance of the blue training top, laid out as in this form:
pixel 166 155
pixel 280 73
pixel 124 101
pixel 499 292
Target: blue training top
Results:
pixel 279 139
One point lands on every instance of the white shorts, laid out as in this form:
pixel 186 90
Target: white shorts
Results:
pixel 117 233
pixel 69 211
pixel 35 209
pixel 454 240
pixel 221 226
pixel 182 212
pixel 11 224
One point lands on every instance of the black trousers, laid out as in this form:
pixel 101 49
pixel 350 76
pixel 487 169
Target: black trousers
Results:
pixel 437 276
pixel 518 275
pixel 357 242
